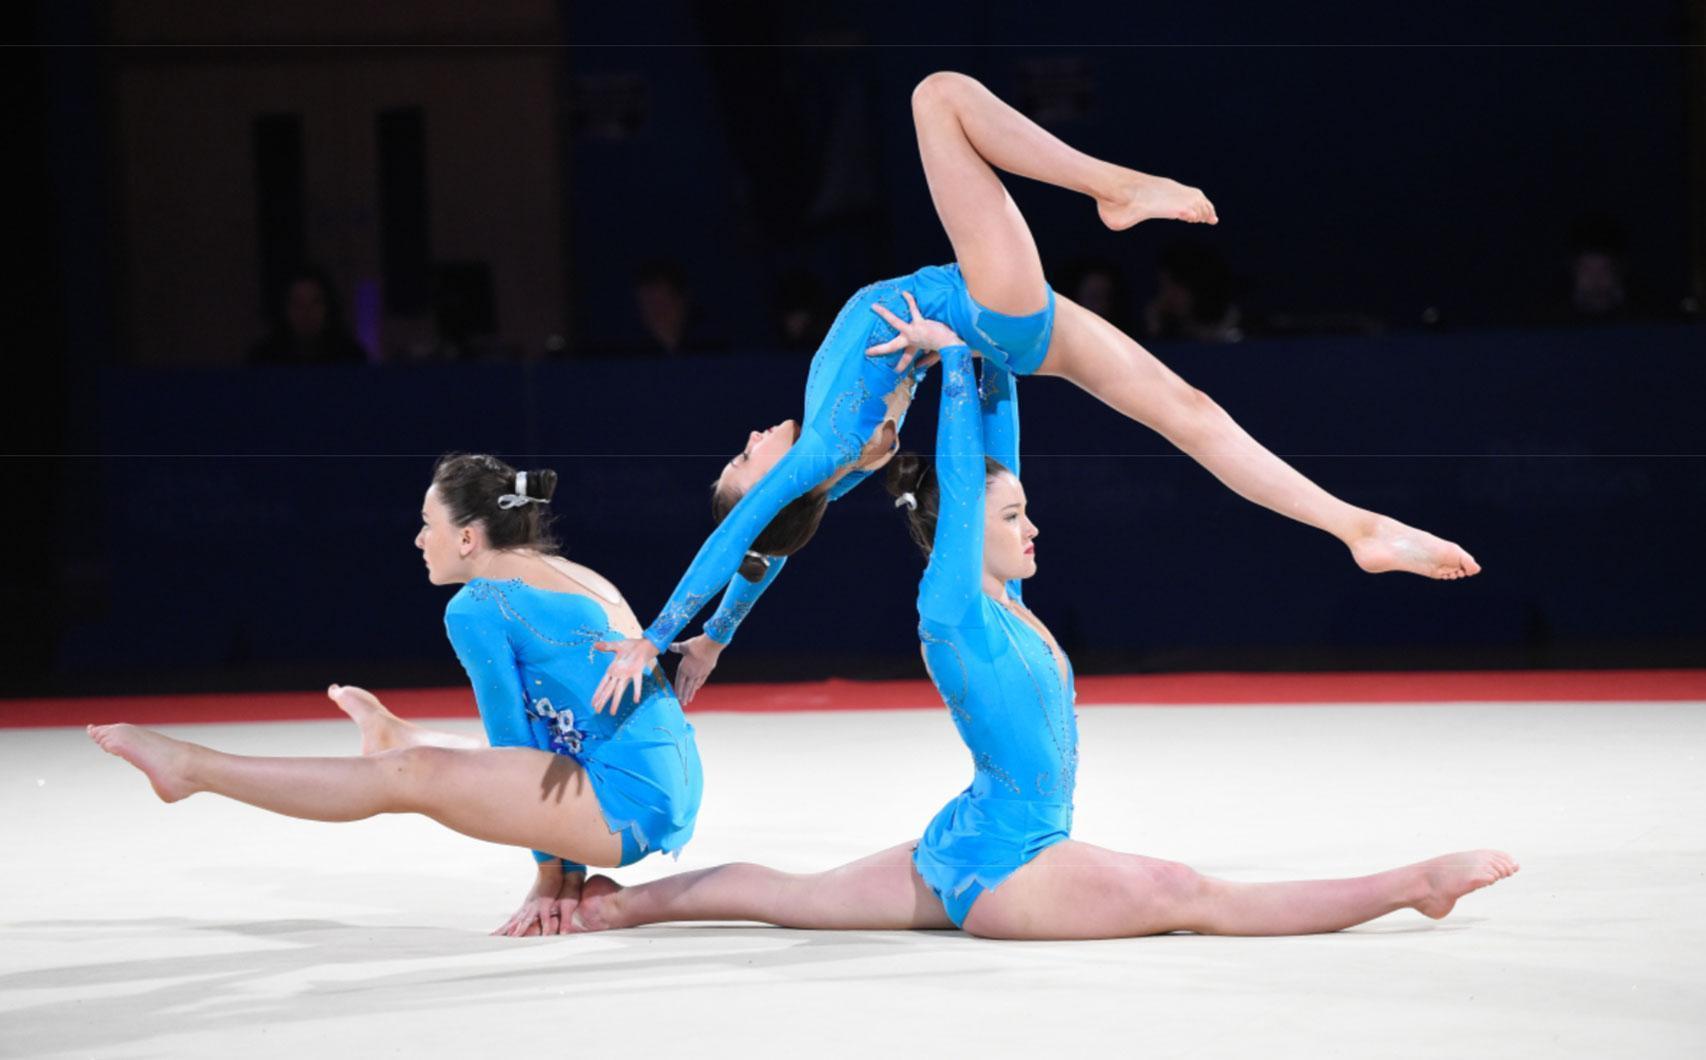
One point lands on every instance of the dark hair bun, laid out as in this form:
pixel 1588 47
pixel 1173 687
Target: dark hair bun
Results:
pixel 905 473
pixel 754 568
pixel 541 484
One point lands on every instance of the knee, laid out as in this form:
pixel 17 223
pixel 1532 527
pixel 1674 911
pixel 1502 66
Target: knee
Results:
pixel 1168 892
pixel 409 772
pixel 1194 415
pixel 939 91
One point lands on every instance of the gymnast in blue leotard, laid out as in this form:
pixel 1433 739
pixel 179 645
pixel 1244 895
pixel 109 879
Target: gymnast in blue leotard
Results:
pixel 579 787
pixel 998 860
pixel 774 491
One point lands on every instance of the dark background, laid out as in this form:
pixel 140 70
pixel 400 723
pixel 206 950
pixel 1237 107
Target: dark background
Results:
pixel 1400 195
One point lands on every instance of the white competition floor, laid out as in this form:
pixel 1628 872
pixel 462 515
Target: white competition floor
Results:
pixel 207 928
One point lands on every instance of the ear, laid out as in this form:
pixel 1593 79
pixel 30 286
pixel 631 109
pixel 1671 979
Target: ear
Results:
pixel 466 541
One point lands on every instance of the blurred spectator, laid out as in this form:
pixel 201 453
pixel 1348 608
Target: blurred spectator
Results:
pixel 802 316
pixel 1099 285
pixel 1598 274
pixel 1195 297
pixel 307 324
pixel 666 310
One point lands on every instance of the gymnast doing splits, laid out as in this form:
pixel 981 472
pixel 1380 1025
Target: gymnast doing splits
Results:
pixel 770 498
pixel 998 860
pixel 580 787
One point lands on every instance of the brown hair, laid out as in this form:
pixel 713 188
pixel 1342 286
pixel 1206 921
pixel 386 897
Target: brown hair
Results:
pixel 787 533
pixel 911 473
pixel 470 484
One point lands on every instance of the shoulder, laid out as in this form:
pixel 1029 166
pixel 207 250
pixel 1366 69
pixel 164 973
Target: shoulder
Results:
pixel 477 599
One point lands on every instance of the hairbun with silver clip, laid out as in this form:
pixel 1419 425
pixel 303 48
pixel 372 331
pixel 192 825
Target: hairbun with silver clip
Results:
pixel 506 501
pixel 760 557
pixel 907 501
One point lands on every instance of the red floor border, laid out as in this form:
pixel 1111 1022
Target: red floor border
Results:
pixel 839 694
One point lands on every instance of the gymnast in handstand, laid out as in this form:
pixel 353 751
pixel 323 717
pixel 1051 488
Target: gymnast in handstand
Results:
pixel 771 496
pixel 581 788
pixel 997 860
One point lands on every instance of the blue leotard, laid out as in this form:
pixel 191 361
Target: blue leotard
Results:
pixel 845 393
pixel 529 655
pixel 1010 699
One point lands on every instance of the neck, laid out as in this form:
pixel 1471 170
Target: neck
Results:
pixel 994 586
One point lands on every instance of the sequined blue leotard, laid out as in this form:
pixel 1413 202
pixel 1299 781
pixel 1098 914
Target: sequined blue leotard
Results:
pixel 1009 696
pixel 528 652
pixel 845 392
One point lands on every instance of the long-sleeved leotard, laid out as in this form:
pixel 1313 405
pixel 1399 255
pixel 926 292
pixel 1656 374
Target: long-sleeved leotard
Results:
pixel 845 402
pixel 528 653
pixel 1010 698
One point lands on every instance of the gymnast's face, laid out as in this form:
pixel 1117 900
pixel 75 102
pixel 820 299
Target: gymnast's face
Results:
pixel 445 546
pixel 763 450
pixel 1009 536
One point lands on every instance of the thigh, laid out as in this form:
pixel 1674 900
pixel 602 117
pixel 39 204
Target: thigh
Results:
pixel 992 243
pixel 1111 366
pixel 1075 890
pixel 514 795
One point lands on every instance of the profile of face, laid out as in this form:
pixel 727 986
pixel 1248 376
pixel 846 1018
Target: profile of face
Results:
pixel 447 548
pixel 305 308
pixel 763 450
pixel 1009 536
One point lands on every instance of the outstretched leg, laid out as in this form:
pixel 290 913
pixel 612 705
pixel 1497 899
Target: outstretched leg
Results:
pixel 1105 362
pixel 964 134
pixel 1074 890
pixel 382 730
pixel 512 795
pixel 880 893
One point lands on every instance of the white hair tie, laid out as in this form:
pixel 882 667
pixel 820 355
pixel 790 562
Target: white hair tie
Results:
pixel 519 497
pixel 907 501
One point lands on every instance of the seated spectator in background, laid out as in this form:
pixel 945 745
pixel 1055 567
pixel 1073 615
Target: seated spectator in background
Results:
pixel 802 315
pixel 1598 277
pixel 1099 285
pixel 1195 297
pixel 308 325
pixel 665 306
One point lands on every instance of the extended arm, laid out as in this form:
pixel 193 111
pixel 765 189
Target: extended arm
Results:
pixel 998 394
pixel 738 600
pixel 953 579
pixel 809 462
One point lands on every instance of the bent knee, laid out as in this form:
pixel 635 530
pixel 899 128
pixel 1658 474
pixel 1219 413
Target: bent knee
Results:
pixel 939 91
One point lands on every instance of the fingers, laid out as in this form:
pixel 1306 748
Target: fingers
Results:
pixel 887 347
pixel 639 685
pixel 900 365
pixel 912 305
pixel 677 648
pixel 883 311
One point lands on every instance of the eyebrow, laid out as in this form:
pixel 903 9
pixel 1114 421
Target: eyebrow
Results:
pixel 1015 504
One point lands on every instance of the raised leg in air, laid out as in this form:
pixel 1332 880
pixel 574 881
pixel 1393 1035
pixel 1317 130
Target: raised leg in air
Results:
pixel 512 795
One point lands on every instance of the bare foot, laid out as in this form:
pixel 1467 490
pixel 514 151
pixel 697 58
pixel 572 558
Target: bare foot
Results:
pixel 1141 197
pixel 1451 877
pixel 163 760
pixel 381 730
pixel 597 909
pixel 1390 545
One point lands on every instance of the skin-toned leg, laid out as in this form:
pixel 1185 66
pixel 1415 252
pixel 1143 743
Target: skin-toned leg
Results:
pixel 880 893
pixel 1074 890
pixel 964 134
pixel 1104 361
pixel 512 795
pixel 382 730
